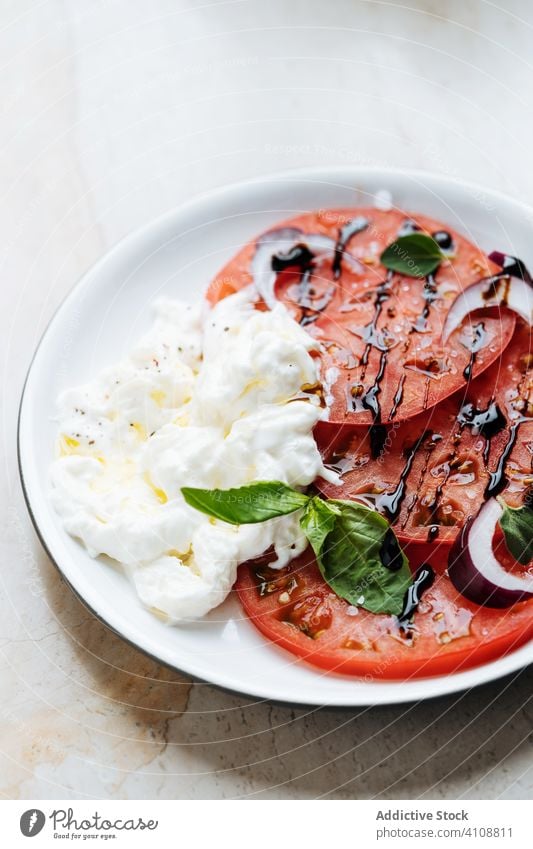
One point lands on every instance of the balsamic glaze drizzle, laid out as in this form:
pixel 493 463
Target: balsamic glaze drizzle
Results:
pixel 356 225
pixel 495 284
pixel 430 295
pixel 311 309
pixel 302 258
pixel 433 506
pixel 479 339
pixel 433 533
pixel 383 293
pixel 423 580
pixel 407 228
pixel 487 422
pixel 398 398
pixel 298 257
pixel 444 240
pixel 370 399
pixel 498 479
pixel 391 502
pixel 511 265
pixel 377 435
pixel 390 552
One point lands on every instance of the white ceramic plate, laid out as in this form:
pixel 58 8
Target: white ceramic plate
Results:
pixel 107 311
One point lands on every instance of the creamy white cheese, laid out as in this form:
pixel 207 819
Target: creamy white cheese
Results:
pixel 209 398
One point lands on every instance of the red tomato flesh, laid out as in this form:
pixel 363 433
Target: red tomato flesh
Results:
pixel 297 611
pixel 433 471
pixel 383 357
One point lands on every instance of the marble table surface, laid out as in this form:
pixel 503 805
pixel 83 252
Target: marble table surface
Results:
pixel 112 112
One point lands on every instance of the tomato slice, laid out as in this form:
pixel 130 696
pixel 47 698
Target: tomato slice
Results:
pixel 297 610
pixel 383 358
pixel 428 474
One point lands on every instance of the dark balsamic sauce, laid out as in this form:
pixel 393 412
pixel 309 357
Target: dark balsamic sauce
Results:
pixel 511 265
pixel 356 225
pixel 383 293
pixel 408 227
pixel 302 258
pixel 434 505
pixel 430 295
pixel 390 552
pixel 498 479
pixel 479 340
pixel 391 502
pixel 311 309
pixel 377 435
pixel 298 257
pixel 487 422
pixel 423 580
pixel 497 288
pixel 444 240
pixel 370 398
pixel 433 533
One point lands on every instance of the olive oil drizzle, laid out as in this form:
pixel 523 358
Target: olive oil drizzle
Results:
pixel 377 436
pixel 433 506
pixel 346 233
pixel 370 399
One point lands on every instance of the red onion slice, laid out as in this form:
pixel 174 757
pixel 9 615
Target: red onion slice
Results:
pixel 475 571
pixel 504 290
pixel 281 241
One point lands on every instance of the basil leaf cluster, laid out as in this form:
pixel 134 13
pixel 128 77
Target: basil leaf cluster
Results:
pixel 356 550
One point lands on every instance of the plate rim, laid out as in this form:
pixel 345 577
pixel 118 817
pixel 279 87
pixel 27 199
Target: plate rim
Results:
pixel 454 683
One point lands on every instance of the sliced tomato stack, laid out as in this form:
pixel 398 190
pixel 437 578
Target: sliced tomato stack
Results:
pixel 429 473
pixel 297 611
pixel 421 430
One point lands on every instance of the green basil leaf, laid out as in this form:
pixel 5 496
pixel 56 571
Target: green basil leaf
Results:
pixel 351 559
pixel 517 527
pixel 246 505
pixel 415 255
pixel 317 521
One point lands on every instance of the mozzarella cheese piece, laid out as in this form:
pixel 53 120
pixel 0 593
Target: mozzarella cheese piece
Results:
pixel 209 398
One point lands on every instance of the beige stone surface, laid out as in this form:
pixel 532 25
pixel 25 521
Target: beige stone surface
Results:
pixel 112 112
